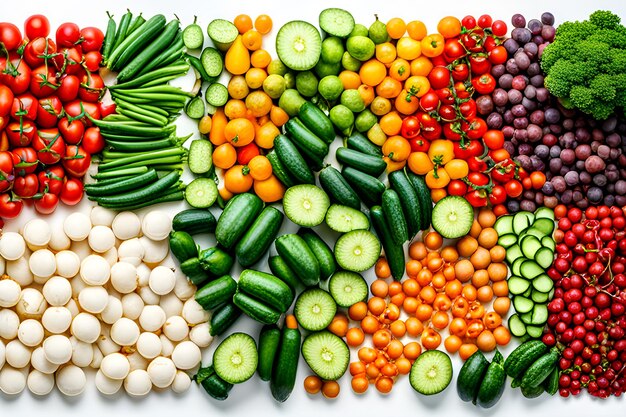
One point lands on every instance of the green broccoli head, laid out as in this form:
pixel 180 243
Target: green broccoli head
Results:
pixel 605 19
pixel 584 98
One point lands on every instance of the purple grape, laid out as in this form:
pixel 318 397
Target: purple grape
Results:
pixel 547 188
pixel 613 140
pixel 583 152
pixel 548 32
pixel 542 151
pixel 500 97
pixel 527 205
pixel 525 149
pixel 547 18
pixel 521 123
pixel 531 49
pixel 518 20
pixel 494 121
pixel 550 202
pixel 594 164
pixel 620 187
pixel 555 152
pixel 511 46
pixel 537 117
pixel 537 80
pixel 609 124
pixel 512 206
pixel 498 70
pixel 599 179
pixel 568 156
pixel 604 152
pixel 484 105
pixel 534 133
pixel 511 67
pixel 552 115
pixel 515 97
pixel 535 26
pixel 521 35
pixel 594 194
pixel 522 60
pixel 584 177
pixel 519 82
pixel 571 178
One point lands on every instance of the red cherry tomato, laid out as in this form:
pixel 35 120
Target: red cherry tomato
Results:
pixel 469 22
pixel 513 188
pixel 479 64
pixel 15 74
pixel 49 145
pixel 47 203
pixel 68 89
pixel 51 179
pixel 38 51
pixel 67 35
pixel 76 161
pixel 24 160
pixel 457 187
pixel 6 170
pixel 498 28
pixel 91 88
pixel 453 50
pixel 484 84
pixel 72 192
pixel 419 144
pixel 498 55
pixel 10 207
pixel 246 153
pixel 484 21
pixel 36 26
pixel 93 142
pixel 92 39
pixel 410 127
pixel 72 132
pixel 92 60
pixel 43 81
pixel 497 195
pixel 49 111
pixel 10 36
pixel 439 77
pixel 494 139
pixel 460 72
pixel 477 198
pixel 429 101
pixel 6 100
pixel 24 107
pixel 26 186
pixel 21 135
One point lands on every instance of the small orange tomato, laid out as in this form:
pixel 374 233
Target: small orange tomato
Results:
pixel 397 148
pixel 432 45
pixel 431 339
pixel 237 179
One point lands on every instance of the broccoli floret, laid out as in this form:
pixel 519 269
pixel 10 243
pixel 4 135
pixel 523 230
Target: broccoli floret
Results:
pixel 603 87
pixel 605 19
pixel 584 99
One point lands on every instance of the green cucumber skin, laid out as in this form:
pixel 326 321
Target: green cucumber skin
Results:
pixel 216 292
pixel 393 252
pixel 394 217
pixel 282 271
pixel 297 255
pixel 540 370
pixel 255 309
pixel 322 252
pixel 286 364
pixel 369 189
pixel 194 221
pixel 359 142
pixel 492 385
pixel 523 357
pixel 531 393
pixel 293 161
pixel 223 318
pixel 338 189
pixel 551 384
pixel 317 122
pixel 216 261
pixel 194 271
pixel 306 141
pixel 471 375
pixel 363 162
pixel 269 340
pixel 266 288
pixel 237 217
pixel 257 240
pixel 426 202
pixel 411 206
pixel 279 170
pixel 183 246
pixel 215 386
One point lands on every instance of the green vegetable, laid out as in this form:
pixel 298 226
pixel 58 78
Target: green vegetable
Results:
pixel 393 251
pixel 338 189
pixel 471 375
pixel 281 270
pixel 215 386
pixel 394 217
pixel 200 156
pixel 321 250
pixel 257 240
pixel 368 164
pixel 540 369
pixel 316 121
pixel 409 201
pixel 224 317
pixel 279 169
pixel 193 36
pixel 182 246
pixel 194 271
pixel 297 255
pixel 293 161
pixel 201 192
pixel 309 145
pixel 256 309
pixel 266 288
pixel 236 358
pixel 369 189
pixel 216 261
pixel 194 221
pixel 492 385
pixel 523 356
pixel 216 292
pixel 117 186
pixel 237 217
pixel 269 340
pixel 286 364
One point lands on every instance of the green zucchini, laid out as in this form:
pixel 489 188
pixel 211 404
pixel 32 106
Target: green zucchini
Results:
pixel 237 217
pixel 551 384
pixel 492 385
pixel 266 288
pixel 257 240
pixel 394 217
pixel 293 161
pixel 216 261
pixel 411 205
pixel 371 165
pixel 279 170
pixel 393 252
pixel 224 317
pixel 216 292
pixel 471 375
pixel 194 221
pixel 338 189
pixel 531 393
pixel 194 271
pixel 182 246
pixel 255 309
pixel 359 142
pixel 281 270
pixel 523 356
pixel 426 201
pixel 286 364
pixel 540 370
pixel 322 252
pixel 269 340
pixel 309 145
pixel 215 386
pixel 369 189
pixel 316 121
pixel 297 255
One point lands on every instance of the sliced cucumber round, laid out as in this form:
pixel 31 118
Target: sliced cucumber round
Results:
pixel 431 372
pixel 336 22
pixel 236 358
pixel 305 205
pixel 357 251
pixel 345 219
pixel 347 288
pixel 298 45
pixel 453 217
pixel 315 309
pixel 201 193
pixel 326 354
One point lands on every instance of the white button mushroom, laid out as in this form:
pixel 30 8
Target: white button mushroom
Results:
pixel 58 349
pixel 77 226
pixel 193 313
pixel 57 291
pixel 3 352
pixel 152 318
pixel 183 289
pixel 19 271
pixel 113 311
pixel 148 296
pixel 93 299
pixel 9 293
pixel 149 345
pixel 200 335
pixel 30 333
pixel 58 240
pixel 176 328
pixel 101 239
pixel 167 347
pixel 125 332
pixel 86 328
pixel 105 342
pixel 72 306
pixel 171 305
pixel 115 366
pixel 138 383
pixel 71 380
pixel 12 381
pixel 131 248
pixel 31 304
pixel 156 225
pixel 81 248
pixel 82 353
pixel 126 225
pixel 9 323
pixel 106 385
pixel 39 362
pixel 68 263
pixel 56 320
pixel 143 273
pixel 101 216
pixel 95 270
pixel 162 372
pixel 12 246
pixel 137 361
pixel 39 383
pixel 37 233
pixel 97 358
pixel 110 256
pixel 17 355
pixel 155 251
pixel 186 355
pixel 181 383
pixel 124 277
pixel 42 263
pixel 132 305
pixel 162 280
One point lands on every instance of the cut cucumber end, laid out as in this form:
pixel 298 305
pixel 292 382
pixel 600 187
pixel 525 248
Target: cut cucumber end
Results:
pixel 223 33
pixel 357 251
pixel 344 219
pixel 453 217
pixel 298 45
pixel 306 205
pixel 347 288
pixel 336 22
pixel 431 372
pixel 235 359
pixel 326 354
pixel 315 309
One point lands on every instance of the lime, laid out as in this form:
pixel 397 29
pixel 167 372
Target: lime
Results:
pixel 361 47
pixel 359 30
pixel 290 79
pixel 274 85
pixel 322 69
pixel 330 87
pixel 306 83
pixel 342 117
pixel 332 50
pixel 378 32
pixel 349 63
pixel 290 101
pixel 365 120
pixel 352 100
pixel 276 66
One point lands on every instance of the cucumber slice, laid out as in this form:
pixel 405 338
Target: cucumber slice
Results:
pixel 544 257
pixel 504 225
pixel 507 240
pixel 521 222
pixel 517 265
pixel 357 251
pixel 336 22
pixel 431 372
pixel 344 219
pixel 548 242
pixel 535 332
pixel 453 217
pixel 195 108
pixel 535 232
pixel 544 213
pixel 201 193
pixel 236 358
pixel 200 156
pixel 298 45
pixel 326 354
pixel 530 269
pixel 513 253
pixel 539 315
pixel 223 33
pixel 528 293
pixel 193 36
pixel 530 245
pixel 315 309
pixel 518 285
pixel 347 288
pixel 212 62
pixel 522 304
pixel 539 297
pixel 306 205
pixel 216 95
pixel 516 326
pixel 527 318
pixel 543 283
pixel 545 225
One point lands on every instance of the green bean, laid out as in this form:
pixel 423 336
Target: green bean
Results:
pixel 143 194
pixel 122 171
pixel 109 38
pixel 144 158
pixel 171 70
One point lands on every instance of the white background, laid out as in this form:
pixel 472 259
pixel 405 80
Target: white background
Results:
pixel 254 397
